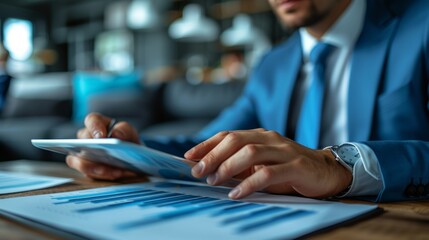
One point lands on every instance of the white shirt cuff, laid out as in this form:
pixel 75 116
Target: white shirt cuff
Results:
pixel 367 179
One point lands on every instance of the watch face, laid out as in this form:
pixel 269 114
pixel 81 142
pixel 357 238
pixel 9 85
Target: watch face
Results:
pixel 349 154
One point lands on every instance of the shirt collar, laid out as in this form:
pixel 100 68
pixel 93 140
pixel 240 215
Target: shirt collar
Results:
pixel 344 32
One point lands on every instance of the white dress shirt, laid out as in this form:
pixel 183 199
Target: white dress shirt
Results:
pixel 343 35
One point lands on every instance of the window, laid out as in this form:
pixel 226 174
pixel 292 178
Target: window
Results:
pixel 114 50
pixel 18 36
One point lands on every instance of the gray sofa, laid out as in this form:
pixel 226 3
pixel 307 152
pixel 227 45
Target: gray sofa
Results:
pixel 42 106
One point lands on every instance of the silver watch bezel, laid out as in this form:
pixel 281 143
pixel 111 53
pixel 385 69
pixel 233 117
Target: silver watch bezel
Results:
pixel 334 152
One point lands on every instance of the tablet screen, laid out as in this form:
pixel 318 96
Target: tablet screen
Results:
pixel 122 154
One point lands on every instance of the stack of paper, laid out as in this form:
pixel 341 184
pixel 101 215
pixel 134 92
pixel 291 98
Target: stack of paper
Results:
pixel 14 182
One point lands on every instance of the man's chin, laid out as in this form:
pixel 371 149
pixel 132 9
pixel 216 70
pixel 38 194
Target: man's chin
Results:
pixel 294 23
pixel 297 20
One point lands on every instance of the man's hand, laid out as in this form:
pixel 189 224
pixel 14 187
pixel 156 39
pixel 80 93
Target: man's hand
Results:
pixel 96 127
pixel 265 160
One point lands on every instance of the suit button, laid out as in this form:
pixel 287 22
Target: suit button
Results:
pixel 420 190
pixel 411 190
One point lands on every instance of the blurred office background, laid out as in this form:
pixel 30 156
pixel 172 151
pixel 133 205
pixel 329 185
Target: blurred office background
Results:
pixel 115 35
pixel 167 66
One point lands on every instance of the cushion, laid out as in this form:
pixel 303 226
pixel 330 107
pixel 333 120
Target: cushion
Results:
pixel 183 100
pixel 16 135
pixel 121 104
pixel 54 86
pixel 188 127
pixel 88 84
pixel 27 107
pixel 47 94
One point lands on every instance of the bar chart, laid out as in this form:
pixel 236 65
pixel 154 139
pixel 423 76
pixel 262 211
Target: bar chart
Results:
pixel 245 216
pixel 169 209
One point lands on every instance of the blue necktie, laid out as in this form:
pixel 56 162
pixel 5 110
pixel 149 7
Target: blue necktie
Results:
pixel 310 118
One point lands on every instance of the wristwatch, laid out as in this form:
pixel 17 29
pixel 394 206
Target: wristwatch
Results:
pixel 346 154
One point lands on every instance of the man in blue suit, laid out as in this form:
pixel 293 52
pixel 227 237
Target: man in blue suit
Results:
pixel 358 116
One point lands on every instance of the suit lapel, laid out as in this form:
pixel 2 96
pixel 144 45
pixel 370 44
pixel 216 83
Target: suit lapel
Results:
pixel 367 68
pixel 286 80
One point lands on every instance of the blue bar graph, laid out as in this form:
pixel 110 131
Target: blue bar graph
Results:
pixel 254 214
pixel 193 209
pixel 164 200
pixel 191 202
pixel 106 193
pixel 239 208
pixel 273 220
pixel 126 196
pixel 126 202
pixel 242 216
pixel 105 197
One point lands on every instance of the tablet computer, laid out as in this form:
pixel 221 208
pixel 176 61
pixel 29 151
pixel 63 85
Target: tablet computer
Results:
pixel 122 154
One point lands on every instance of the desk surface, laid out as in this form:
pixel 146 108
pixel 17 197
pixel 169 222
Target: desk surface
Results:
pixel 405 220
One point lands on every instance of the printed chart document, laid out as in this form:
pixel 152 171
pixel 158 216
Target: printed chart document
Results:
pixel 168 209
pixel 14 182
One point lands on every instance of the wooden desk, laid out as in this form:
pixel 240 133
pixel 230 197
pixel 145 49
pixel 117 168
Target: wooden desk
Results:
pixel 405 220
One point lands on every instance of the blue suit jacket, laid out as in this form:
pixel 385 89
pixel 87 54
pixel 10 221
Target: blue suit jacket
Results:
pixel 387 99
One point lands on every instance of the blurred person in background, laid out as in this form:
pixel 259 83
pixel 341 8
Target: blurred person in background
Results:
pixel 363 131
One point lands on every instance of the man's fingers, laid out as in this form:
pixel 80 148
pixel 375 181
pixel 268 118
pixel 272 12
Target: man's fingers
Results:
pixel 229 145
pixel 83 133
pixel 262 179
pixel 97 170
pixel 97 125
pixel 247 157
pixel 200 150
pixel 126 132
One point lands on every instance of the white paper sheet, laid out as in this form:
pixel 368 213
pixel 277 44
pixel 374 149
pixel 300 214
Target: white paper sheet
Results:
pixel 179 210
pixel 14 182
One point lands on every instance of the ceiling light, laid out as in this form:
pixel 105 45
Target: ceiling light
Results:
pixel 241 33
pixel 143 14
pixel 194 26
pixel 244 34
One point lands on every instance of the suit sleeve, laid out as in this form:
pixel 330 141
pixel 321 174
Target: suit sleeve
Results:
pixel 404 165
pixel 404 169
